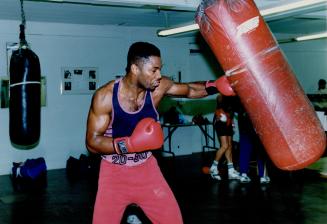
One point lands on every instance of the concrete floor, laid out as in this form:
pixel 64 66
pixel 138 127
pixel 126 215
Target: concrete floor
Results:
pixel 292 197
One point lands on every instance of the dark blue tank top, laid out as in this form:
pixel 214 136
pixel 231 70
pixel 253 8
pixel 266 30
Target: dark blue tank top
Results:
pixel 123 122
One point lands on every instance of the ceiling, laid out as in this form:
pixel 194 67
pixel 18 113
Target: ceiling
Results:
pixel 152 13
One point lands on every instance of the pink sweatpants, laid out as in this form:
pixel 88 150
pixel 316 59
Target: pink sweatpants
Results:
pixel 143 185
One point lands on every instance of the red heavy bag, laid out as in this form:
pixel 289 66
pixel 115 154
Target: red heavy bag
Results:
pixel 260 75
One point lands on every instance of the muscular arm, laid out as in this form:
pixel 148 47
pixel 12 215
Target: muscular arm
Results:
pixel 98 121
pixel 187 90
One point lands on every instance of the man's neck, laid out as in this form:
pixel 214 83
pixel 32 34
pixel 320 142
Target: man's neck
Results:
pixel 131 84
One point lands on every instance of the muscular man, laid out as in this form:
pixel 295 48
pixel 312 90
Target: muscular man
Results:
pixel 123 127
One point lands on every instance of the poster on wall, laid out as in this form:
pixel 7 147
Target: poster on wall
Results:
pixel 79 80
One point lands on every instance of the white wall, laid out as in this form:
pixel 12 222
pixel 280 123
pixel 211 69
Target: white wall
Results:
pixel 309 62
pixel 64 118
pixel 63 121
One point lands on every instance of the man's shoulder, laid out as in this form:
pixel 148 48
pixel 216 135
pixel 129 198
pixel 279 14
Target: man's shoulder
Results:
pixel 164 77
pixel 105 90
pixel 165 84
pixel 166 81
pixel 107 87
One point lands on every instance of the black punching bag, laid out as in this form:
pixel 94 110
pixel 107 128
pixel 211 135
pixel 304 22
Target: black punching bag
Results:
pixel 25 98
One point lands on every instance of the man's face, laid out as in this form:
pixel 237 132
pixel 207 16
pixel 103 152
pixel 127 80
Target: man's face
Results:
pixel 149 74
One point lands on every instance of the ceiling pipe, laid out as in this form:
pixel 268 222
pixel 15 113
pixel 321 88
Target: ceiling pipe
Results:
pixel 176 5
pixel 269 14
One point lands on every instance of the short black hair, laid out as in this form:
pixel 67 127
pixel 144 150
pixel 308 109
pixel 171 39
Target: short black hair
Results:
pixel 140 50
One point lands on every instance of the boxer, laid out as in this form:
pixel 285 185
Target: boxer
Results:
pixel 123 127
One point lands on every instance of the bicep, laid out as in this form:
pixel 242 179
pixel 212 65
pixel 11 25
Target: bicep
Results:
pixel 189 90
pixel 178 90
pixel 97 123
pixel 98 117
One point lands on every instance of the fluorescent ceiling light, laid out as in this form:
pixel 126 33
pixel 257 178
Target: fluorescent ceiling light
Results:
pixel 312 37
pixel 188 5
pixel 263 12
pixel 290 6
pixel 181 29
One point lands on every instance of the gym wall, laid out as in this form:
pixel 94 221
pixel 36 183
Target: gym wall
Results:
pixel 63 119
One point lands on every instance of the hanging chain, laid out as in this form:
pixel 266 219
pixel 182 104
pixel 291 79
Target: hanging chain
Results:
pixel 23 43
pixel 22 13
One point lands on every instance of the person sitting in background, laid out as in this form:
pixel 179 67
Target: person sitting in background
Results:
pixel 223 124
pixel 322 87
pixel 319 99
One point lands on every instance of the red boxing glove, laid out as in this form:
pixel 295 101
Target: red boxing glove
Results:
pixel 147 135
pixel 220 85
pixel 222 116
